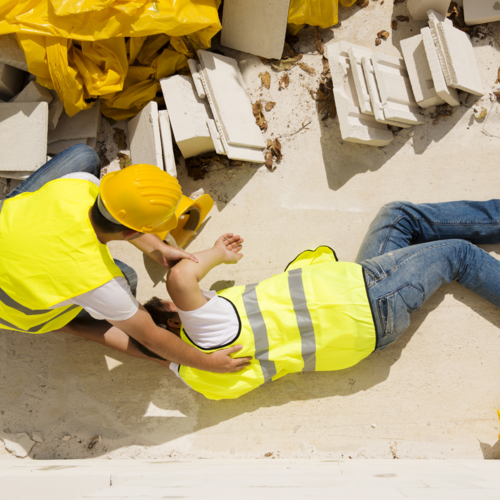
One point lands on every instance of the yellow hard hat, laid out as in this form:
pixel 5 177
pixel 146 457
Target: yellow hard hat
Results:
pixel 141 197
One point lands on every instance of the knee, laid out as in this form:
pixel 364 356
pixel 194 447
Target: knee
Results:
pixel 87 156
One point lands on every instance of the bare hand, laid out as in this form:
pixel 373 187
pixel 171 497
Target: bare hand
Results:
pixel 231 245
pixel 222 362
pixel 168 256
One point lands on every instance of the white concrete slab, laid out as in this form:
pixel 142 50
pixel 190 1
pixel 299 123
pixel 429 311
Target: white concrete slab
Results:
pixel 56 108
pixel 195 68
pixel 11 81
pixel 355 57
pixel 145 139
pixel 448 94
pixel 58 147
pixel 188 115
pixel 23 135
pixel 167 144
pixel 83 125
pixel 377 106
pixel 419 72
pixel 33 92
pixel 214 133
pixel 418 8
pixel 257 27
pixel 481 11
pixel 230 99
pixel 11 53
pixel 354 125
pixel 395 90
pixel 14 174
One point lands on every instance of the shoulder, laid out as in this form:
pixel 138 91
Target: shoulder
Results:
pixel 84 176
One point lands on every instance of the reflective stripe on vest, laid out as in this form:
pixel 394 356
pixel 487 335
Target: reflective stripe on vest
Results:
pixel 314 317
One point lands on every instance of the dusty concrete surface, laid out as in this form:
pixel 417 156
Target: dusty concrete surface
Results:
pixel 431 395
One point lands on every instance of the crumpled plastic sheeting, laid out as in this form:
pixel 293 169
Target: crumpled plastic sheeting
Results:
pixel 322 13
pixel 86 55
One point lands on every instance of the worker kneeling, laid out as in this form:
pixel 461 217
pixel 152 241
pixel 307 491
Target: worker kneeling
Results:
pixel 321 314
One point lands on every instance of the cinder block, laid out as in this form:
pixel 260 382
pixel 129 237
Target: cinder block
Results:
pixel 144 133
pixel 56 107
pixel 418 8
pixel 14 174
pixel 33 92
pixel 448 94
pixel 257 27
pixel 419 72
pixel 23 135
pixel 58 147
pixel 481 11
pixel 188 115
pixel 354 125
pixel 11 81
pixel 167 145
pixel 80 126
pixel 456 55
pixel 11 53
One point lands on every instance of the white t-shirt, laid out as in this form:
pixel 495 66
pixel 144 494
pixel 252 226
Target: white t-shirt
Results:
pixel 215 324
pixel 113 300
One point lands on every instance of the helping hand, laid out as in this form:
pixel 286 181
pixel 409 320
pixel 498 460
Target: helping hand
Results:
pixel 231 245
pixel 168 256
pixel 222 362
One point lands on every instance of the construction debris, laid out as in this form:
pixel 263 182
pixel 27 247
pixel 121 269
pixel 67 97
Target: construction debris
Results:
pixel 167 143
pixel 418 8
pixel 481 11
pixel 11 81
pixel 11 53
pixel 33 92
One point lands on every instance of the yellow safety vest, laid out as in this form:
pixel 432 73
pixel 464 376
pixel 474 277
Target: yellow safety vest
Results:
pixel 49 253
pixel 315 316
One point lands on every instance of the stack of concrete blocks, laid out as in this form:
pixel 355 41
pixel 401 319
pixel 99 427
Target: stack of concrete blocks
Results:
pixel 439 61
pixel 151 139
pixel 481 11
pixel 257 27
pixel 81 128
pixel 211 110
pixel 371 91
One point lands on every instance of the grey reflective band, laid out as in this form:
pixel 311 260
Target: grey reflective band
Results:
pixel 304 321
pixel 9 301
pixel 259 330
pixel 1 205
pixel 35 328
pixel 104 211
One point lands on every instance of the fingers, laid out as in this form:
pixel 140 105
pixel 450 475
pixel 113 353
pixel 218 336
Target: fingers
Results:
pixel 239 368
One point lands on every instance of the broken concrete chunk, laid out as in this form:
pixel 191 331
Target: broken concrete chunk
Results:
pixel 23 135
pixel 33 92
pixel 11 81
pixel 419 72
pixel 257 27
pixel 37 436
pixel 9 174
pixel 144 134
pixel 56 107
pixel 167 144
pixel 418 8
pixel 355 56
pixel 448 94
pixel 354 125
pixel 84 124
pixel 481 11
pixel 19 444
pixel 11 53
pixel 229 100
pixel 58 147
pixel 188 115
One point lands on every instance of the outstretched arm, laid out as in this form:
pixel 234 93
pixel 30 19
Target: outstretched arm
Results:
pixel 183 279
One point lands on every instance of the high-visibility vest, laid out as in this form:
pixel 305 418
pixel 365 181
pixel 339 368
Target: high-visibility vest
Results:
pixel 49 253
pixel 315 316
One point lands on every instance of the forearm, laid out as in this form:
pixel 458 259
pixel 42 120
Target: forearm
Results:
pixel 207 260
pixel 149 244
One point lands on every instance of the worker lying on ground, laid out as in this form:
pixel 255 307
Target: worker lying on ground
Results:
pixel 55 264
pixel 321 314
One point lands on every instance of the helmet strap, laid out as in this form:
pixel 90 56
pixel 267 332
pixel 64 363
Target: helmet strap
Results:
pixel 104 211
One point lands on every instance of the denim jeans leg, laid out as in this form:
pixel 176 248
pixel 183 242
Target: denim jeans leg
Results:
pixel 77 158
pixel 399 282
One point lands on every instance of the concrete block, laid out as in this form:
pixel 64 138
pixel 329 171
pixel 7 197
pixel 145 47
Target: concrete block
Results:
pixel 419 72
pixel 195 68
pixel 188 115
pixel 257 27
pixel 378 108
pixel 448 94
pixel 214 133
pixel 80 126
pixel 23 135
pixel 355 57
pixel 14 174
pixel 144 134
pixel 456 55
pixel 167 144
pixel 395 90
pixel 229 100
pixel 418 8
pixel 354 125
pixel 11 53
pixel 33 92
pixel 11 81
pixel 56 107
pixel 58 147
pixel 481 11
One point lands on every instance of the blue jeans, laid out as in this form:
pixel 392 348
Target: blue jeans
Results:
pixel 411 250
pixel 78 158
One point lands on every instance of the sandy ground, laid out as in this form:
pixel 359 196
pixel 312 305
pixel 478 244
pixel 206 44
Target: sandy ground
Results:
pixel 430 395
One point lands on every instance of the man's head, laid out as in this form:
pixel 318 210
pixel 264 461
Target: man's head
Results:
pixel 164 313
